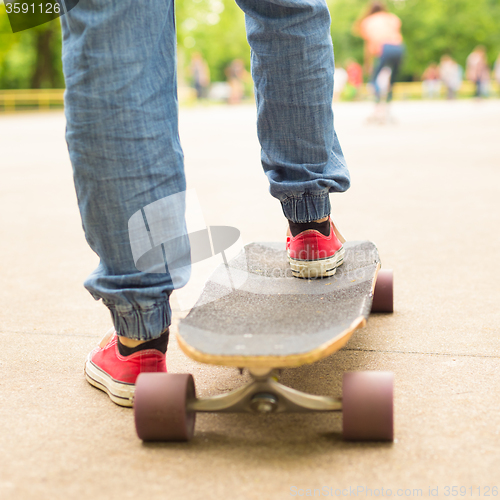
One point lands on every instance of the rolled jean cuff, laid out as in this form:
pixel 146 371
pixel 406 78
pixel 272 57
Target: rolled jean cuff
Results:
pixel 307 207
pixel 142 324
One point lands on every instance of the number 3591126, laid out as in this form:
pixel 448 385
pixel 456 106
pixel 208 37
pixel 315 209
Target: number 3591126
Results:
pixel 33 8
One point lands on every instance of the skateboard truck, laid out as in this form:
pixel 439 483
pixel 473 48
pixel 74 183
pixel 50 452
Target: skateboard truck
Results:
pixel 166 404
pixel 264 394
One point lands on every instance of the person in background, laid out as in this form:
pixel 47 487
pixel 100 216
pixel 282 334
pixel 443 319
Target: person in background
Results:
pixel 451 75
pixel 431 82
pixel 478 72
pixel 236 75
pixel 384 81
pixel 381 31
pixel 354 75
pixel 201 75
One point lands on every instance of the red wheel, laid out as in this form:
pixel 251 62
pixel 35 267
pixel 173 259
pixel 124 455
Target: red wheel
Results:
pixel 160 406
pixel 367 406
pixel 383 296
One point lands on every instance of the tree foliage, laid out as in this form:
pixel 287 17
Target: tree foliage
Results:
pixel 430 29
pixel 216 29
pixel 31 58
pixel 434 27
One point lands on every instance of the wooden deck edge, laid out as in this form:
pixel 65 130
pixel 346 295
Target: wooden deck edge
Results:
pixel 289 361
pixel 374 282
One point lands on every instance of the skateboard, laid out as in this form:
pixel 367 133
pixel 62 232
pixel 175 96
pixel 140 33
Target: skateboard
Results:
pixel 254 315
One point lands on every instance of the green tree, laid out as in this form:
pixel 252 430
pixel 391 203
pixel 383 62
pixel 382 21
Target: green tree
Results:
pixel 31 58
pixel 47 69
pixel 216 29
pixel 344 14
pixel 434 27
pixel 430 29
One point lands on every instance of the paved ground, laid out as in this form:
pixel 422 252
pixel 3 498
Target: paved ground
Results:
pixel 426 190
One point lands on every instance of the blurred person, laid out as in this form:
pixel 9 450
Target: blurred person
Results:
pixel 431 82
pixel 451 75
pixel 384 81
pixel 200 73
pixel 381 31
pixel 354 75
pixel 382 115
pixel 477 71
pixel 236 75
pixel 123 140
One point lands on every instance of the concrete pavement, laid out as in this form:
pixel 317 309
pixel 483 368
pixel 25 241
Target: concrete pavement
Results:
pixel 425 189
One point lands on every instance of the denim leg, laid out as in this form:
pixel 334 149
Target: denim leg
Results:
pixel 391 57
pixel 292 69
pixel 380 64
pixel 122 134
pixel 397 52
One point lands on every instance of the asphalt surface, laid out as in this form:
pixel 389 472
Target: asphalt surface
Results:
pixel 425 189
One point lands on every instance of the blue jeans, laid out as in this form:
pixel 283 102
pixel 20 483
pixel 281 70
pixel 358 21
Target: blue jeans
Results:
pixel 119 61
pixel 392 56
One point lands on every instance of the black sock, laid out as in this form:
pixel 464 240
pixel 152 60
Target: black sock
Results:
pixel 322 227
pixel 160 344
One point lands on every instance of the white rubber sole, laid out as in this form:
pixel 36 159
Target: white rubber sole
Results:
pixel 321 268
pixel 120 393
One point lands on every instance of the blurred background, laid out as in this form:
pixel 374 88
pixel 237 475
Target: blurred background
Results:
pixel 214 56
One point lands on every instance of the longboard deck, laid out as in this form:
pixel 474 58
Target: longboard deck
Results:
pixel 252 313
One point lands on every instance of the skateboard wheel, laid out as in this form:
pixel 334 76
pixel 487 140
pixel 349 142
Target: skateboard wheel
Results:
pixel 160 406
pixel 383 296
pixel 367 406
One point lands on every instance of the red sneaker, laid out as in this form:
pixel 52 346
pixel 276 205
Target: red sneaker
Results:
pixel 115 374
pixel 314 255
